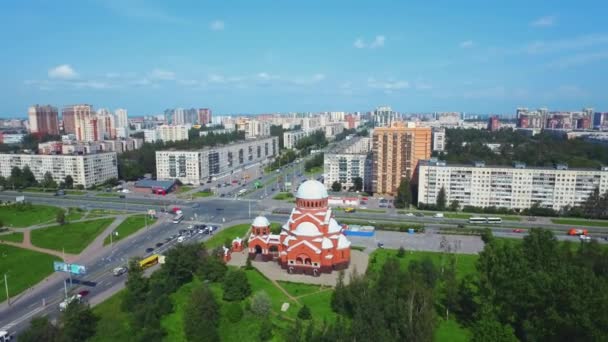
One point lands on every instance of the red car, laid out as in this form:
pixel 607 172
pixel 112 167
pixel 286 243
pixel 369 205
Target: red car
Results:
pixel 518 230
pixel 84 293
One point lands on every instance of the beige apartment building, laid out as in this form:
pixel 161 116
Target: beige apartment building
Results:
pixel 396 152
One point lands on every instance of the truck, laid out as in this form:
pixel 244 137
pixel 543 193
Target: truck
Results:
pixel 64 305
pixel 577 232
pixel 5 336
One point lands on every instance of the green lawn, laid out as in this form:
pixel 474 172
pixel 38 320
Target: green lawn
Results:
pixel 320 305
pixel 24 268
pixel 201 194
pixel 283 196
pixel 298 289
pixel 580 222
pixel 260 283
pixel 232 232
pixel 183 188
pixel 465 263
pixel 74 214
pixel 108 194
pixel 104 212
pixel 129 226
pixel 451 331
pixel 12 237
pixel 19 217
pixel 174 322
pixel 113 324
pixel 74 237
pixel 75 192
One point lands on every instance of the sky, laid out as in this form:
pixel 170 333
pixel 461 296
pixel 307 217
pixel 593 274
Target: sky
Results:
pixel 304 56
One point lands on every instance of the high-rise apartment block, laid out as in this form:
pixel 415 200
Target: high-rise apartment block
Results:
pixel 493 123
pixel 204 116
pixel 43 120
pixel 516 187
pixel 122 119
pixel 70 114
pixel 349 160
pixel 173 132
pixel 396 152
pixel 439 139
pixel 384 116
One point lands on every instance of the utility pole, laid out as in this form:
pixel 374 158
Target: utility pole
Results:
pixel 8 299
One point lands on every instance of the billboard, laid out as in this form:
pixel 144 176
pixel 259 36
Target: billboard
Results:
pixel 19 199
pixel 75 269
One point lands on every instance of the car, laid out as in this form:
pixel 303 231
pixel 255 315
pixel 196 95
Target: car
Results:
pixel 195 205
pixel 222 195
pixel 201 231
pixel 585 238
pixel 163 210
pixel 190 227
pixel 389 206
pixel 122 196
pixel 363 203
pixel 84 293
pixel 419 214
pixel 219 185
pixel 158 244
pixel 364 198
pixel 180 239
pixel 272 189
pixel 119 271
pixel 149 250
pixel 371 222
pixel 518 230
pixel 410 214
pixel 168 239
pixel 219 209
pixel 63 305
pixel 380 245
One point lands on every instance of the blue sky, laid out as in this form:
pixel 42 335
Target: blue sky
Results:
pixel 280 56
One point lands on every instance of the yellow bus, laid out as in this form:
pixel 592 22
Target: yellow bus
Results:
pixel 349 210
pixel 149 261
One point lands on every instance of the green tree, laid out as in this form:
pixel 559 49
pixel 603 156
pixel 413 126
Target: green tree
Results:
pixel 136 287
pixel 28 176
pixel 78 322
pixel 236 286
pixel 304 313
pixel 48 181
pixel 234 312
pixel 404 194
pixel 261 304
pixel 69 182
pixel 41 329
pixel 441 199
pixel 60 217
pixel 265 333
pixel 454 205
pixel 202 316
pixel 489 329
pixel 336 186
pixel 401 252
pixel 358 183
pixel 16 178
pixel 181 263
pixel 213 269
pixel 486 235
pixel 450 299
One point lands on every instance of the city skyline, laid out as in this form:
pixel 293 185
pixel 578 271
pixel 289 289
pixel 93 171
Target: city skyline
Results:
pixel 264 57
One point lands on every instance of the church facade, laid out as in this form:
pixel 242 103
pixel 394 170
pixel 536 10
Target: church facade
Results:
pixel 311 242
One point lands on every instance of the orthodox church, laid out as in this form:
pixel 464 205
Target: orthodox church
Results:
pixel 311 242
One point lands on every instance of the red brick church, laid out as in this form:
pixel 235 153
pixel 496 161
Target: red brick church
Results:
pixel 311 241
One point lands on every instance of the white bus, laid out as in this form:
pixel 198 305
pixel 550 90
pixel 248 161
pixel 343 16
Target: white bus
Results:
pixel 178 218
pixel 478 220
pixel 494 220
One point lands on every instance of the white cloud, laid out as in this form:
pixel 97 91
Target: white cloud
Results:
pixel 578 60
pixel 466 44
pixel 423 86
pixel 546 21
pixel 217 25
pixel 64 72
pixel 388 86
pixel 567 44
pixel 359 44
pixel 162 75
pixel 378 42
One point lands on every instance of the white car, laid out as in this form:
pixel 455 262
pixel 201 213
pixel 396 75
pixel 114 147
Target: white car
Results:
pixel 585 237
pixel 64 305
pixel 180 239
pixel 438 215
pixel 410 214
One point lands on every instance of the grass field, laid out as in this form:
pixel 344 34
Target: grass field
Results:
pixel 74 214
pixel 298 289
pixel 183 188
pixel 220 237
pixel 104 212
pixel 465 263
pixel 113 324
pixel 202 194
pixel 74 237
pixel 12 237
pixel 24 268
pixel 129 226
pixel 451 331
pixel 580 222
pixel 12 215
pixel 314 170
pixel 283 196
pixel 108 194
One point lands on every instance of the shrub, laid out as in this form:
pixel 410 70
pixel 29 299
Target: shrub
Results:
pixel 234 312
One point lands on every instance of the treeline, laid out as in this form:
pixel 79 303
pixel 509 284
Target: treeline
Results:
pixel 23 178
pixel 132 165
pixel 541 150
pixel 315 161
pixel 316 140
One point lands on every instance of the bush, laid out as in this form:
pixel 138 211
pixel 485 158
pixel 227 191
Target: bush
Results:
pixel 304 313
pixel 236 286
pixel 234 312
pixel 261 304
pixel 401 252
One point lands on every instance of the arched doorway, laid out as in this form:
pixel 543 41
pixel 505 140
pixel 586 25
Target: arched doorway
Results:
pixel 307 262
pixel 274 250
pixel 299 261
pixel 258 249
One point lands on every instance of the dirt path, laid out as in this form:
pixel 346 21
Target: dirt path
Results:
pixel 317 292
pixel 60 255
pixel 285 292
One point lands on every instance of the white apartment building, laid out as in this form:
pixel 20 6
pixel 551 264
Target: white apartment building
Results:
pixel 257 128
pixel 87 169
pixel 291 138
pixel 349 160
pixel 516 187
pixel 332 129
pixel 122 119
pixel 194 167
pixel 150 135
pixel 216 131
pixel 173 132
pixel 438 139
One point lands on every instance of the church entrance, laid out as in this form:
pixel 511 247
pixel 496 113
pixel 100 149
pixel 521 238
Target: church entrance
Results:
pixel 258 249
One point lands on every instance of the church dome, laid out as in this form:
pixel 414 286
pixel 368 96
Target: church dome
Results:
pixel 261 221
pixel 311 190
pixel 307 229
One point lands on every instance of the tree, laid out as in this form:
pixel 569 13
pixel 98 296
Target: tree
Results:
pixel 404 194
pixel 450 298
pixel 48 181
pixel 489 329
pixel 69 182
pixel 261 304
pixel 336 186
pixel 78 322
pixel 202 316
pixel 401 252
pixel 60 218
pixel 358 183
pixel 236 286
pixel 181 263
pixel 265 333
pixel 136 287
pixel 41 329
pixel 304 313
pixel 28 176
pixel 234 312
pixel 16 178
pixel 441 199
pixel 486 235
pixel 454 205
pixel 213 269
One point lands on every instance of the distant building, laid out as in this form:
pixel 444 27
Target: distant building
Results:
pixel 396 152
pixel 384 116
pixel 493 123
pixel 86 169
pixel 438 139
pixel 173 132
pixel 291 138
pixel 43 120
pixel 517 187
pixel 122 119
pixel 349 160
pixel 204 116
pixel 11 138
pixel 333 129
pixel 70 114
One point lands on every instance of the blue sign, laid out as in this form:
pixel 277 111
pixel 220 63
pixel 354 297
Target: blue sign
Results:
pixel 75 269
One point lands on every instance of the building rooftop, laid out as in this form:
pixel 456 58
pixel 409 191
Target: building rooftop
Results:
pixel 516 165
pixel 150 183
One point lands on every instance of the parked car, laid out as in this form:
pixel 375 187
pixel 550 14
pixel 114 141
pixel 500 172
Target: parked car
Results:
pixel 410 214
pixel 84 293
pixel 518 230
pixel 149 250
pixel 158 244
pixel 119 271
pixel 180 239
pixel 380 245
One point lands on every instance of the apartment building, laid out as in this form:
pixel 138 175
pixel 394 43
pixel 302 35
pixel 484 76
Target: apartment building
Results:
pixel 194 167
pixel 347 161
pixel 43 120
pixel 70 114
pixel 396 152
pixel 439 139
pixel 216 131
pixel 173 132
pixel 333 129
pixel 516 187
pixel 86 169
pixel 291 138
pixel 256 128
